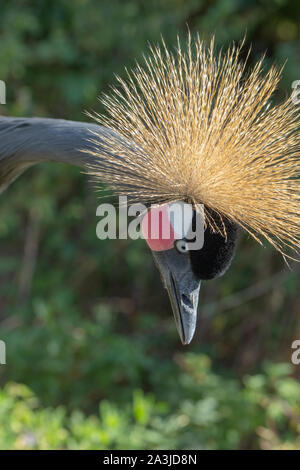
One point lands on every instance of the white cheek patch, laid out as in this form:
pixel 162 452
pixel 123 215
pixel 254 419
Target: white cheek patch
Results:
pixel 180 217
pixel 162 225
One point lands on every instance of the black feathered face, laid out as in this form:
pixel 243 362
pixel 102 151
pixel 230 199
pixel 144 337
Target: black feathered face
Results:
pixel 182 268
pixel 215 257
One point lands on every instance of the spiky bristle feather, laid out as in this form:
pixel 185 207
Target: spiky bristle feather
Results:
pixel 194 126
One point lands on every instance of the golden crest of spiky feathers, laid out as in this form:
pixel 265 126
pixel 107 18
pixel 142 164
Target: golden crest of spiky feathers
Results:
pixel 194 126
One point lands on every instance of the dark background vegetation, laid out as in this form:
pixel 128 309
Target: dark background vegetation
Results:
pixel 93 357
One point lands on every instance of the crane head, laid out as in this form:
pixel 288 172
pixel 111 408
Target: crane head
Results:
pixel 186 253
pixel 194 124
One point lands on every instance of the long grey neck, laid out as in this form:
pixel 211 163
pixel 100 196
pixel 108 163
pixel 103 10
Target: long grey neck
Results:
pixel 26 141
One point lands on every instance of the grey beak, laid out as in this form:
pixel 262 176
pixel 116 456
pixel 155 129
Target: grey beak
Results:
pixel 183 289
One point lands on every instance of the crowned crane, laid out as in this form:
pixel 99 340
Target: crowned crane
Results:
pixel 188 125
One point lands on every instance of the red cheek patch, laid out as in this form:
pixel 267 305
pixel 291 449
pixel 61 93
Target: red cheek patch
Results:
pixel 157 229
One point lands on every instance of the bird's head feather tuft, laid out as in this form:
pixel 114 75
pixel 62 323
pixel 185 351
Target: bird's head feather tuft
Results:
pixel 193 125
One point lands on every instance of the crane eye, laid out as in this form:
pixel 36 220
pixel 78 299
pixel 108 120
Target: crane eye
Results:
pixel 181 246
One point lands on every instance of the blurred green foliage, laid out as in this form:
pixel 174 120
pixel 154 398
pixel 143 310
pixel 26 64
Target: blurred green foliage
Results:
pixel 87 324
pixel 219 413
